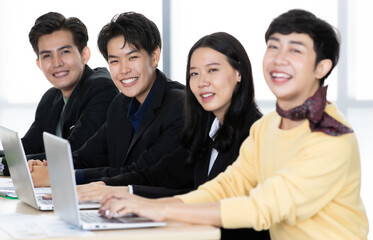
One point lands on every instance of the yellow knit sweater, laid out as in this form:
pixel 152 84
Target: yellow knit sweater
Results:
pixel 297 183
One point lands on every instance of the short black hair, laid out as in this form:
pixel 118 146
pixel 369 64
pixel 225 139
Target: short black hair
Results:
pixel 53 21
pixel 136 29
pixel 326 39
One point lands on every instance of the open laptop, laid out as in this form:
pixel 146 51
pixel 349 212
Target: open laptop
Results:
pixel 19 171
pixel 65 198
pixel 21 177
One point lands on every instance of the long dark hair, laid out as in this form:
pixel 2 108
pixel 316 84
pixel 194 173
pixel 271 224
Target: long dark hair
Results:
pixel 242 110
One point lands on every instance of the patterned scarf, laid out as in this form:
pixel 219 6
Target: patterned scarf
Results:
pixel 313 110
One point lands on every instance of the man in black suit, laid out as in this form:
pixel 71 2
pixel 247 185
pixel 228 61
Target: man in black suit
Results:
pixel 144 122
pixel 76 106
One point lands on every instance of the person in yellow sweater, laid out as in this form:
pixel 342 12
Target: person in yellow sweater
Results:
pixel 298 173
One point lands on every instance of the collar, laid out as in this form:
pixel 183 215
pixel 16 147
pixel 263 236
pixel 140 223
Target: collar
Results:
pixel 214 128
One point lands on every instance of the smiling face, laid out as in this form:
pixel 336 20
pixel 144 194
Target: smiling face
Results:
pixel 289 68
pixel 132 70
pixel 61 61
pixel 212 80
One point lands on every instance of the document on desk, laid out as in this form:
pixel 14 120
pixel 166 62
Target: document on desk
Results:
pixel 7 189
pixel 38 226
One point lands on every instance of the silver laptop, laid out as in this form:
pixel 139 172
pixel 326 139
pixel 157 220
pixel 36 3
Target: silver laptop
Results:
pixel 65 198
pixel 21 177
pixel 19 171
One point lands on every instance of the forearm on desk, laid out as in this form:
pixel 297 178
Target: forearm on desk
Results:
pixel 196 213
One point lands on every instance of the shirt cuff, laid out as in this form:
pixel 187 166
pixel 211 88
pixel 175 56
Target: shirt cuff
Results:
pixel 79 176
pixel 130 189
pixel 1 167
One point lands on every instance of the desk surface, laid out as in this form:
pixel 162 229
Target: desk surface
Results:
pixel 173 230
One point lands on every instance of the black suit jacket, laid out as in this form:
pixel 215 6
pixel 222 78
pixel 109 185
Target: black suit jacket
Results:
pixel 114 149
pixel 84 113
pixel 175 175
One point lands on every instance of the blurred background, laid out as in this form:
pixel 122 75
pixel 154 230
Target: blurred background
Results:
pixel 182 23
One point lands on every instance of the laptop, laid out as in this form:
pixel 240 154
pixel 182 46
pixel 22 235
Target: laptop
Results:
pixel 18 168
pixel 21 177
pixel 65 198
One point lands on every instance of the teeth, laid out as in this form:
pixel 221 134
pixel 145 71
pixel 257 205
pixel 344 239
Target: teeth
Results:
pixel 59 74
pixel 280 75
pixel 128 80
pixel 207 95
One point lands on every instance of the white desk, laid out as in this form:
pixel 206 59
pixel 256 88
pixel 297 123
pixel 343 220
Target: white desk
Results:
pixel 173 230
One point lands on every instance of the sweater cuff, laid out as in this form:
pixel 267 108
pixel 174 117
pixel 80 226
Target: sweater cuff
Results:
pixel 237 212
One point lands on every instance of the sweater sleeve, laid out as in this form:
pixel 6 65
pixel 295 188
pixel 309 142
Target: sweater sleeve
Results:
pixel 241 174
pixel 321 168
pixel 300 189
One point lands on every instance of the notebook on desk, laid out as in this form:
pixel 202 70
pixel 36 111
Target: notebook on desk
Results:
pixel 21 177
pixel 65 198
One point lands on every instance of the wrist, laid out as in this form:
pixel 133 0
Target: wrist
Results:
pixel 167 211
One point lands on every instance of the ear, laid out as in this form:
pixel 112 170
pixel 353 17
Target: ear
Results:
pixel 323 67
pixel 38 62
pixel 86 54
pixel 156 55
pixel 238 76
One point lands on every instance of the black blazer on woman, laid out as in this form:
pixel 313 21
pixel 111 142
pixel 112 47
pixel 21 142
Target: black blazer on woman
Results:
pixel 115 149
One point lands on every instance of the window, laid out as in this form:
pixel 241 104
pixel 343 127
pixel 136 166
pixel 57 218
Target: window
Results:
pixel 22 84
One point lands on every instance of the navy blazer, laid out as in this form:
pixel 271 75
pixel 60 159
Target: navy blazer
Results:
pixel 114 149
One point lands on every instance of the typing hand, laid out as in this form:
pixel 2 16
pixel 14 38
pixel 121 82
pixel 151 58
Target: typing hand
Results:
pixel 97 190
pixel 116 205
pixel 47 196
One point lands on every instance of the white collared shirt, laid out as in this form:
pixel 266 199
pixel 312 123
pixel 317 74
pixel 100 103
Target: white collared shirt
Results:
pixel 214 153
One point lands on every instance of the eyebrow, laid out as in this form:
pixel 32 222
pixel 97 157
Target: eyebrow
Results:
pixel 207 65
pixel 58 49
pixel 291 41
pixel 127 54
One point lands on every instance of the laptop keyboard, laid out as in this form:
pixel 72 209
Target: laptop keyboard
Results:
pixel 94 217
pixel 45 201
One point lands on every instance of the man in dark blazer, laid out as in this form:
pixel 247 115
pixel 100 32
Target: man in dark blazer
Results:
pixel 76 106
pixel 144 122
